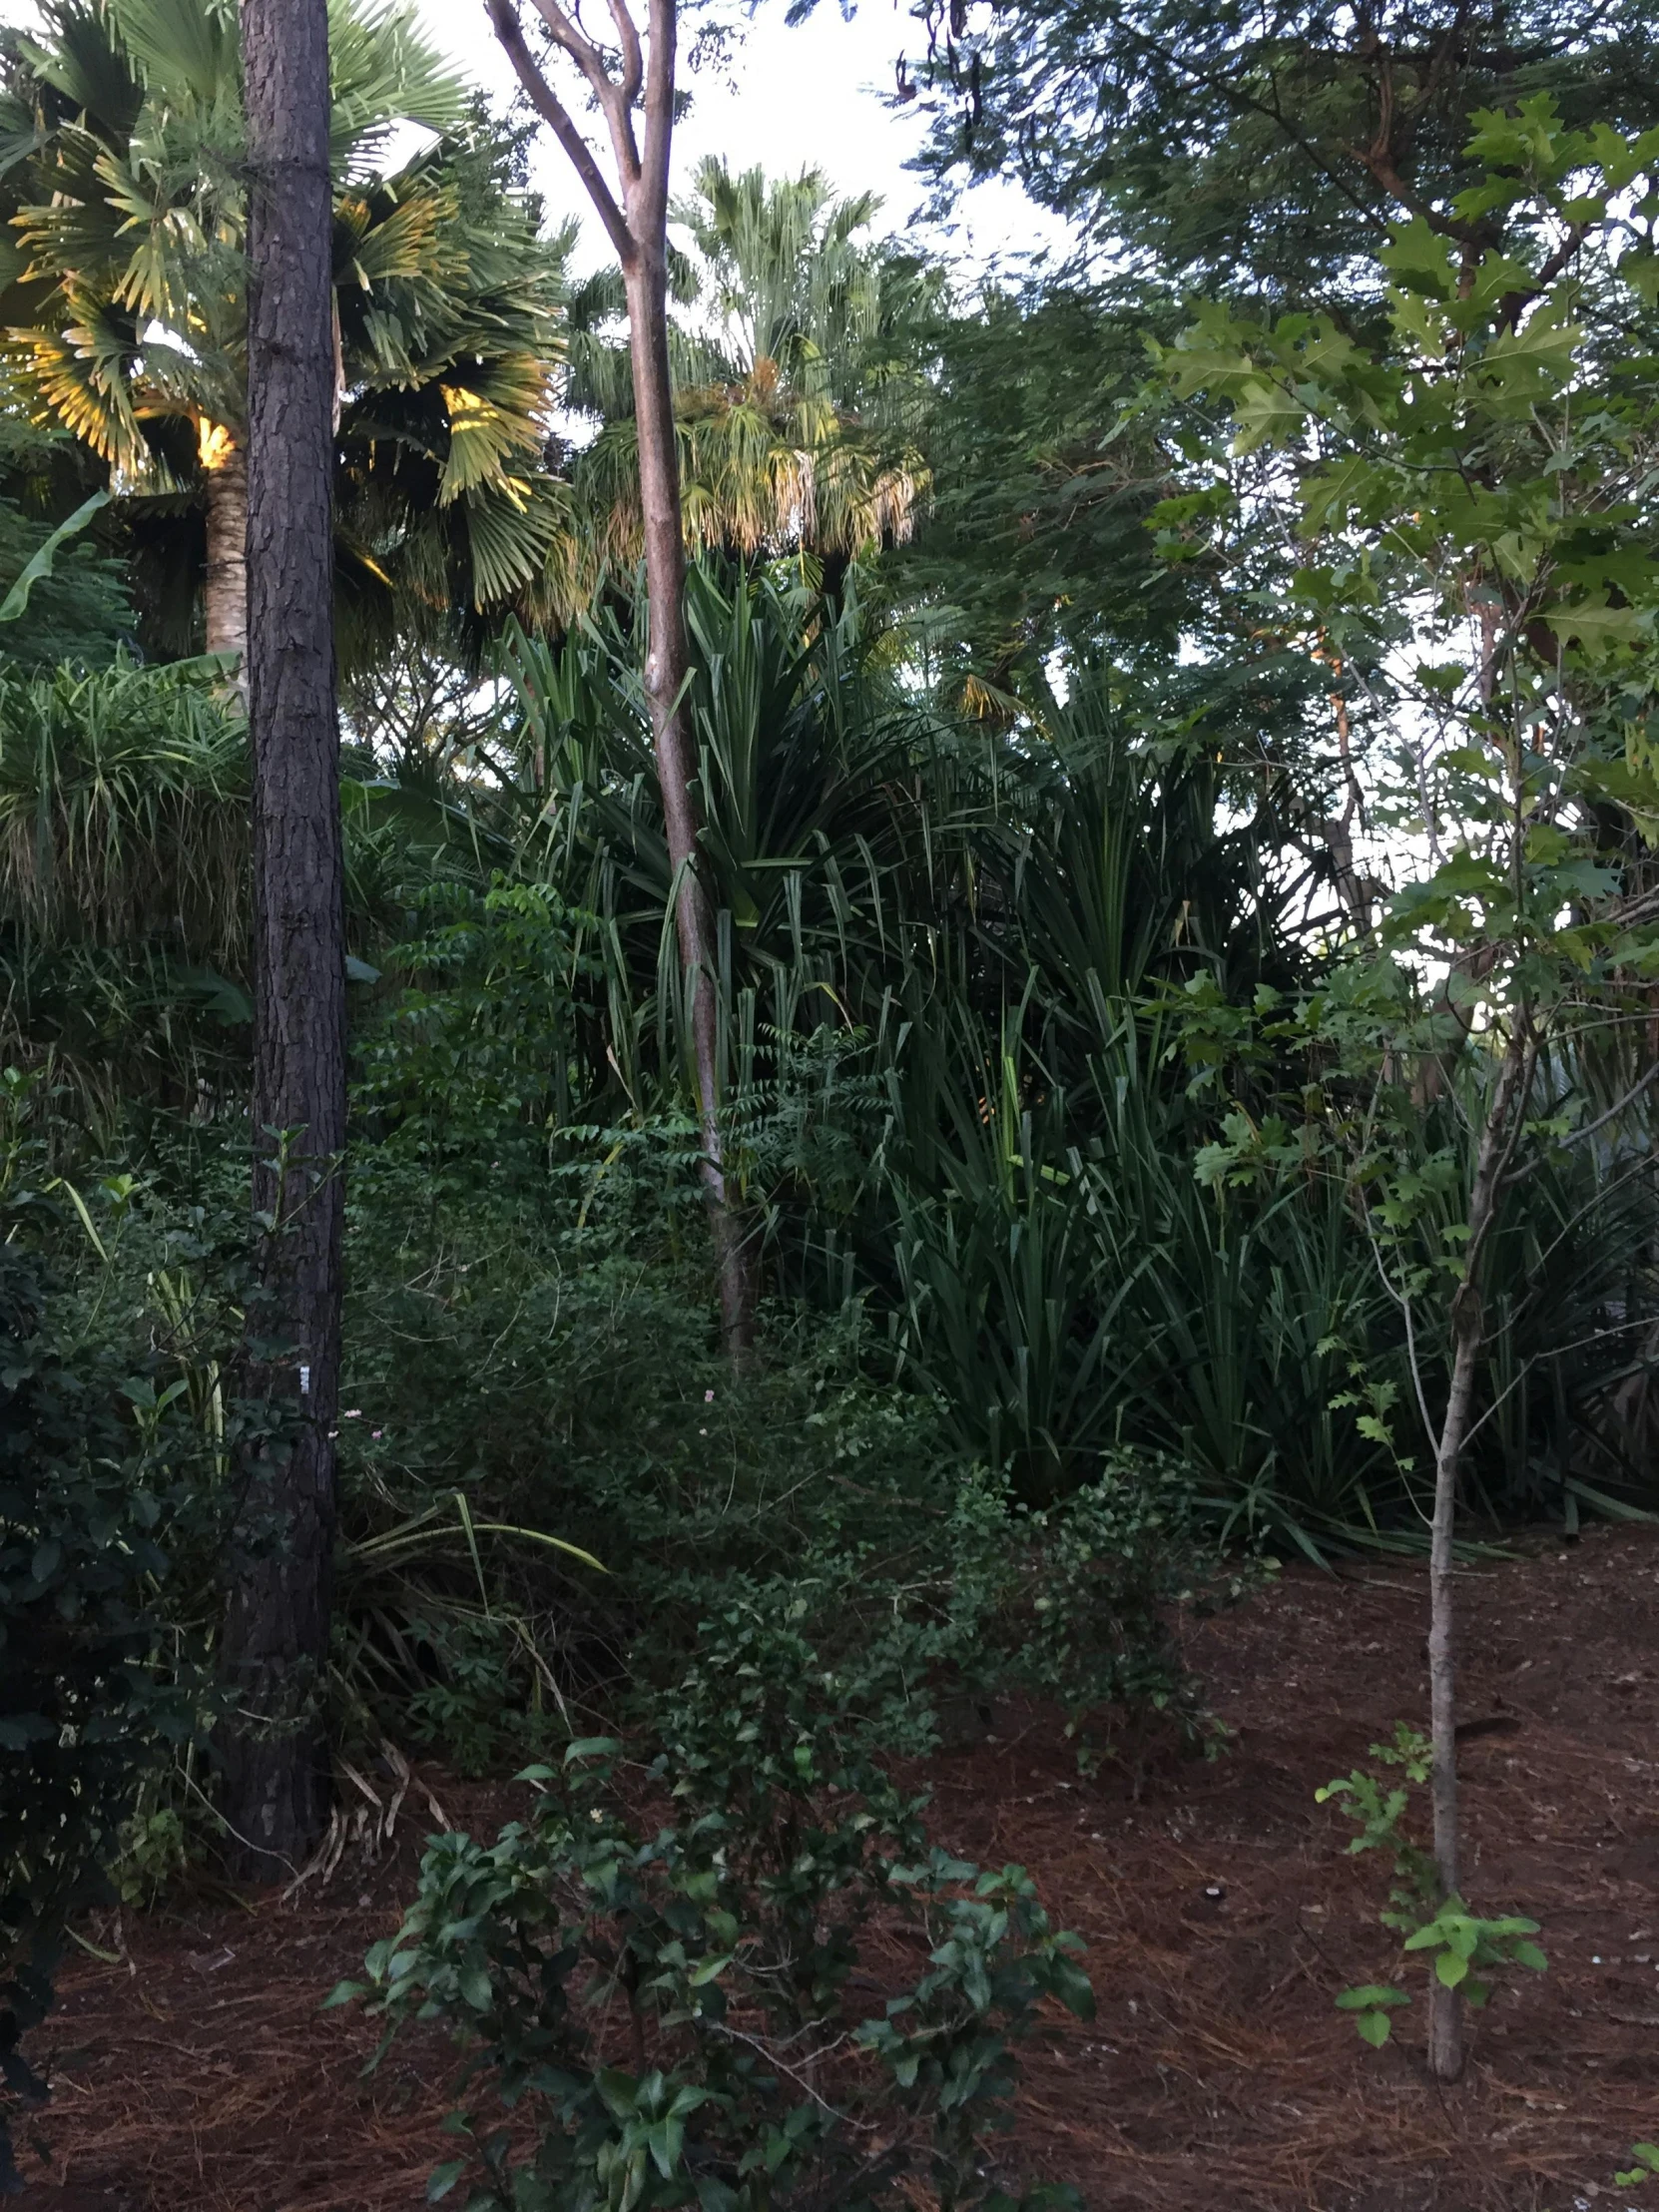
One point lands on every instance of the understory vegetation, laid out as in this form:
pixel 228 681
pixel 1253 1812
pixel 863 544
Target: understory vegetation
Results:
pixel 1177 850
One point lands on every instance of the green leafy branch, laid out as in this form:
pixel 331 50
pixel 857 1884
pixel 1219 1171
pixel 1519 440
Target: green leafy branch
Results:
pixel 1460 1949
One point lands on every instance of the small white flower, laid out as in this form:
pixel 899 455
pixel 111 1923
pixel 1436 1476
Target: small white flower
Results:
pixel 708 1398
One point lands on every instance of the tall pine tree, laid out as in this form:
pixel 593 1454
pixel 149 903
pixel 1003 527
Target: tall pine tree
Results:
pixel 276 1628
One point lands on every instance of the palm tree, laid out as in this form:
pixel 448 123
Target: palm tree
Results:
pixel 798 420
pixel 449 307
pixel 125 313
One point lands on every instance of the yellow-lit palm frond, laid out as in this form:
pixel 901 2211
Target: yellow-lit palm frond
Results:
pixel 169 251
pixel 762 469
pixel 482 444
pixel 510 531
pixel 798 422
pixel 127 283
pixel 408 240
pixel 75 230
pixel 83 377
pixel 518 386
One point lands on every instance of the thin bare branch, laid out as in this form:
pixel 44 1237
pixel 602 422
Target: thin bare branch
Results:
pixel 1577 1136
pixel 658 101
pixel 1555 1351
pixel 633 63
pixel 1402 1297
pixel 568 35
pixel 547 103
pixel 1515 303
pixel 615 98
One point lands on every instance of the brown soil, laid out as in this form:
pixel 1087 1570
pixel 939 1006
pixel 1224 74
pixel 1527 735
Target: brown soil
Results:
pixel 1219 1911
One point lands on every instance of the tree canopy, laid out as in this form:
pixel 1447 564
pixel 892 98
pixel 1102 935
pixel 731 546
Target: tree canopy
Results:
pixel 1243 148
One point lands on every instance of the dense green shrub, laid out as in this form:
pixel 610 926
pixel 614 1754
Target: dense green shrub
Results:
pixel 661 1969
pixel 470 1060
pixel 540 1351
pixel 1077 1602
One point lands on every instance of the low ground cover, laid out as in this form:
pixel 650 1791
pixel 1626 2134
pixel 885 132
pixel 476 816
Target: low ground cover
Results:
pixel 1220 1910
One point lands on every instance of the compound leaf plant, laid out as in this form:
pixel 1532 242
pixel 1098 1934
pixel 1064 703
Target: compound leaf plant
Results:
pixel 1464 484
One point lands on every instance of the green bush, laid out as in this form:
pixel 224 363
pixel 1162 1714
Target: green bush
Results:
pixel 1077 1602
pixel 660 1969
pixel 469 1062
pixel 558 1377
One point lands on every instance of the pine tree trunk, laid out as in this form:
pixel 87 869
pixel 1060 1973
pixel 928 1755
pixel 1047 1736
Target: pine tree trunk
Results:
pixel 277 1626
pixel 226 586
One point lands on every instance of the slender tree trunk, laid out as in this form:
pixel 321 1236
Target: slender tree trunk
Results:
pixel 227 588
pixel 1445 2006
pixel 666 670
pixel 1492 1158
pixel 627 85
pixel 276 1626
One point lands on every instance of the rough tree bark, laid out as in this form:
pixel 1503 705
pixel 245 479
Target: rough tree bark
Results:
pixel 636 221
pixel 277 1624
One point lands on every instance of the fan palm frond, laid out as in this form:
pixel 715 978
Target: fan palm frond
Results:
pixel 384 72
pixel 127 308
pixel 82 378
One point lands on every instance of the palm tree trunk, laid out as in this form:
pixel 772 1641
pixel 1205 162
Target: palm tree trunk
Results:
pixel 227 587
pixel 276 1643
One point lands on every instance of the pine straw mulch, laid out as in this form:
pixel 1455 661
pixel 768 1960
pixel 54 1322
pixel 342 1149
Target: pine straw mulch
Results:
pixel 1219 1911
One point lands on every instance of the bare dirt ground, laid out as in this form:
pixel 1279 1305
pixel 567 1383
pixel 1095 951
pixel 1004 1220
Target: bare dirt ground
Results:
pixel 1220 1910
